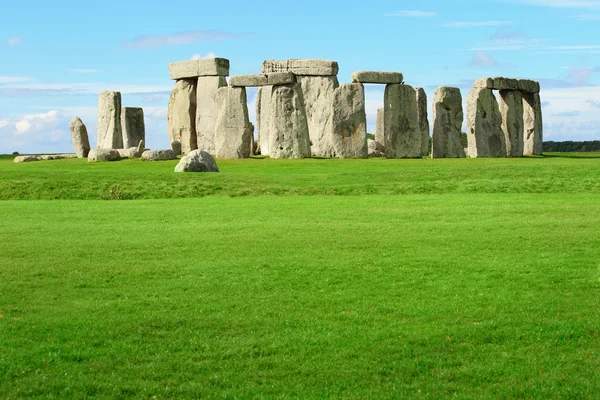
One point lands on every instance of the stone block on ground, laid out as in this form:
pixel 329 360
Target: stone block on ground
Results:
pixel 447 123
pixel 182 114
pixel 511 110
pixel 484 125
pixel 402 130
pixel 378 77
pixel 191 69
pixel 313 67
pixel 207 111
pixel 96 155
pixel 374 149
pixel 109 135
pixel 233 130
pixel 132 125
pixel 132 152
pixel 22 159
pixel 349 122
pixel 197 161
pixel 79 137
pixel 159 155
pixel 423 120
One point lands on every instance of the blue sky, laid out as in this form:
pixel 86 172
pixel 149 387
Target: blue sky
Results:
pixel 55 57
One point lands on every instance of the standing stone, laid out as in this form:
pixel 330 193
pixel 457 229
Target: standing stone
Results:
pixel 402 131
pixel 109 121
pixel 182 115
pixel 207 111
pixel 349 122
pixel 263 102
pixel 534 136
pixel 318 98
pixel 484 124
pixel 423 120
pixel 132 123
pixel 447 123
pixel 511 110
pixel 233 130
pixel 380 130
pixel 288 129
pixel 79 138
pixel 176 147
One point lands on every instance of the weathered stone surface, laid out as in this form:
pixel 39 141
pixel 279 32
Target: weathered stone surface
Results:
pixel 176 147
pixel 511 110
pixel 402 131
pixel 207 111
pixel 315 67
pixel 501 83
pixel 256 147
pixel 197 161
pixel 132 124
pixel 96 155
pixel 132 152
pixel 317 92
pixel 423 120
pixel 233 130
pixel 79 137
pixel 159 155
pixel 288 129
pixel 528 86
pixel 377 77
pixel 263 103
pixel 256 80
pixel 48 157
pixel 196 68
pixel 109 121
pixel 374 150
pixel 380 130
pixel 534 136
pixel 281 78
pixel 484 125
pixel 182 114
pixel 349 122
pixel 20 159
pixel 447 123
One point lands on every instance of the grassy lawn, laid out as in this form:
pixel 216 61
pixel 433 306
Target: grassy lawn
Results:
pixel 301 279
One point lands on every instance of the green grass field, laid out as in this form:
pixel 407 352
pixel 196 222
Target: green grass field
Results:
pixel 301 279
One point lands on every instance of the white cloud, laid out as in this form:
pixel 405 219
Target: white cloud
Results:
pixel 481 59
pixel 201 57
pixel 13 79
pixel 37 122
pixel 475 24
pixel 3 123
pixel 15 41
pixel 411 13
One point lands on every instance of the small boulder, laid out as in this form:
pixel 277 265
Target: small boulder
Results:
pixel 159 155
pixel 25 159
pixel 96 155
pixel 374 149
pixel 176 146
pixel 197 161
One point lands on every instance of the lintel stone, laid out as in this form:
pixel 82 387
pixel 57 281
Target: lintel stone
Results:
pixel 383 78
pixel 314 67
pixel 281 78
pixel 500 83
pixel 196 68
pixel 255 80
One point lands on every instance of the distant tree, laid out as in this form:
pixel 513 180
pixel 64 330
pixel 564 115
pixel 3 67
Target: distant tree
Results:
pixel 15 153
pixel 370 136
pixel 464 139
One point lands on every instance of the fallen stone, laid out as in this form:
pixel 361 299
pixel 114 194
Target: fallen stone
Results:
pixel 176 147
pixel 447 123
pixel 349 122
pixel 377 77
pixel 207 111
pixel 96 155
pixel 511 110
pixel 79 137
pixel 20 159
pixel 256 80
pixel 484 125
pixel 182 115
pixel 402 131
pixel 159 155
pixel 315 67
pixel 263 102
pixel 132 152
pixel 197 161
pixel 533 127
pixel 195 68
pixel 288 129
pixel 132 124
pixel 379 131
pixel 256 148
pixel 233 129
pixel 373 149
pixel 423 120
pixel 281 78
pixel 109 134
pixel 49 157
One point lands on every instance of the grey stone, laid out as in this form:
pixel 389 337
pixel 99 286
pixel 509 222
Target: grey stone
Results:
pixel 263 102
pixel 534 136
pixel 182 115
pixel 317 93
pixel 288 129
pixel 132 152
pixel 484 125
pixel 159 155
pixel 281 78
pixel 528 86
pixel 96 155
pixel 109 121
pixel 377 77
pixel 423 120
pixel 349 121
pixel 256 80
pixel 233 129
pixel 196 68
pixel 48 157
pixel 511 110
pixel 132 124
pixel 176 147
pixel 501 83
pixel 197 161
pixel 380 130
pixel 207 111
pixel 79 138
pixel 314 67
pixel 447 123
pixel 402 131
pixel 20 159
pixel 373 149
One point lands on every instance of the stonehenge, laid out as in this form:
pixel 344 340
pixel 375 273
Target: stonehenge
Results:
pixel 181 123
pixel 532 111
pixel 118 127
pixel 233 130
pixel 159 155
pixel 132 125
pixel 79 137
pixel 197 161
pixel 484 125
pixel 447 123
pixel 101 154
pixel 401 122
pixel 423 120
pixel 349 119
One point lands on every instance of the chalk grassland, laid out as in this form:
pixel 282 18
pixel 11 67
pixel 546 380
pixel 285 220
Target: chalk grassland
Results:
pixel 488 292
